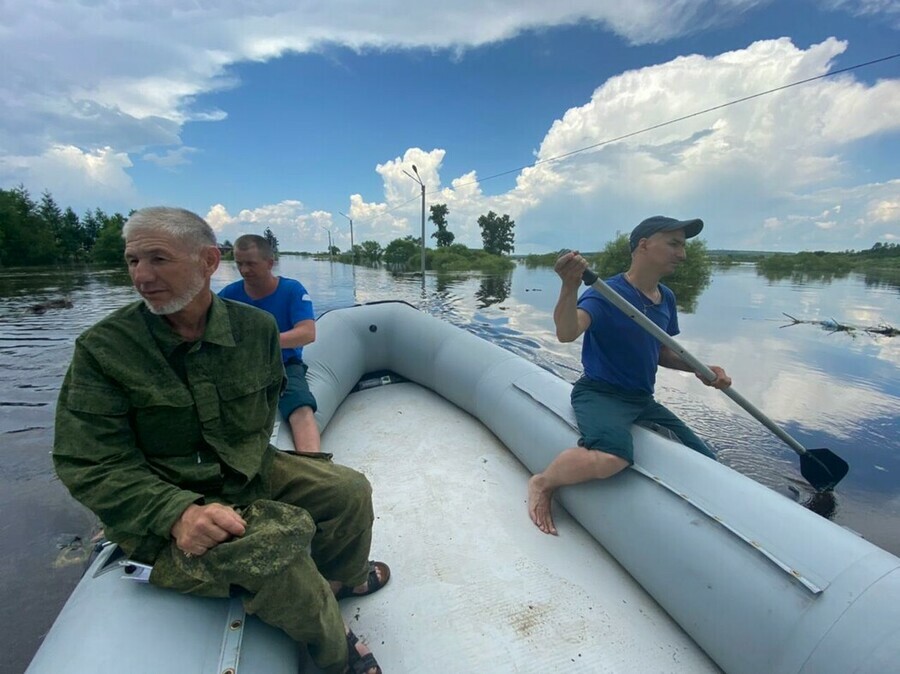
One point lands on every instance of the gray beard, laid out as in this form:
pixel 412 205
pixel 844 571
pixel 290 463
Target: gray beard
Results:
pixel 178 303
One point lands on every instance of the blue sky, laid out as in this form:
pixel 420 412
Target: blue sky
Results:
pixel 283 114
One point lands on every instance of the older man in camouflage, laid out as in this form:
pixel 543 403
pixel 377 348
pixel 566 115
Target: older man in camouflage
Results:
pixel 162 430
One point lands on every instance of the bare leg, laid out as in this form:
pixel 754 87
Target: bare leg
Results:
pixel 304 430
pixel 572 466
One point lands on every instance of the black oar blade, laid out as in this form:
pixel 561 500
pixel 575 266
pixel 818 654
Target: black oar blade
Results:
pixel 822 468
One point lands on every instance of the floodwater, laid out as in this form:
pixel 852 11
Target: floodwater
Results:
pixel 834 389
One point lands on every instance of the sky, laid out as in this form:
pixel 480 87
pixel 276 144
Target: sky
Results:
pixel 300 116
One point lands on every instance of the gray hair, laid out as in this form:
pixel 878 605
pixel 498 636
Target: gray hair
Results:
pixel 178 222
pixel 247 241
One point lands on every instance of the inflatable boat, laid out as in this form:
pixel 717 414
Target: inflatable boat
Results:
pixel 678 564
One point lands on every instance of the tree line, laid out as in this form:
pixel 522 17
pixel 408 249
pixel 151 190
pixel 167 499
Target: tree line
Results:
pixel 880 255
pixel 42 233
pixel 690 278
pixel 497 237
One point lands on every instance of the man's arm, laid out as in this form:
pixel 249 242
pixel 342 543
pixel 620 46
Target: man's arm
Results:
pixel 671 360
pixel 570 321
pixel 301 334
pixel 97 458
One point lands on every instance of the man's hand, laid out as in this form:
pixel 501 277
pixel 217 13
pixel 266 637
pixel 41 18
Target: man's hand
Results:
pixel 721 381
pixel 202 527
pixel 570 266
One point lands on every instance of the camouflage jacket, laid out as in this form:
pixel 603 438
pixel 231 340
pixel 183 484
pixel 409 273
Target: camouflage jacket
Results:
pixel 147 424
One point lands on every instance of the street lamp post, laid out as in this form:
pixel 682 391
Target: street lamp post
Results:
pixel 330 253
pixel 422 185
pixel 352 250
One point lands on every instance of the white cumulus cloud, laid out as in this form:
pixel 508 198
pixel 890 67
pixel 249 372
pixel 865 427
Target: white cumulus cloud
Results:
pixel 779 158
pixel 127 75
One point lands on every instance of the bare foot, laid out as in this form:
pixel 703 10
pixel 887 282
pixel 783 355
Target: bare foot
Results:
pixel 539 504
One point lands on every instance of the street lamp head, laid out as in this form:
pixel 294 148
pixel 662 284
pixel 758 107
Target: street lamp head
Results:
pixel 414 177
pixel 415 170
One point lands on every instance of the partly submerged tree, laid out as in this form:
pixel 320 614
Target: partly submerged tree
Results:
pixel 457 257
pixel 270 237
pixel 497 233
pixel 689 280
pixel 399 251
pixel 371 251
pixel 438 216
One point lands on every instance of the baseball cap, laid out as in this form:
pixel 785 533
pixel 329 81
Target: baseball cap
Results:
pixel 660 223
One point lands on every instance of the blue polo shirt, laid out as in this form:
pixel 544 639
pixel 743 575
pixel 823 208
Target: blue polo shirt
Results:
pixel 618 351
pixel 289 304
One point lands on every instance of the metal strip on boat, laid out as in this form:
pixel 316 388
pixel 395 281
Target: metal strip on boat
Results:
pixel 756 545
pixel 230 655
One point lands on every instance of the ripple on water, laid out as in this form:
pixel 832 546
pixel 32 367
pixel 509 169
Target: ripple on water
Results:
pixel 832 390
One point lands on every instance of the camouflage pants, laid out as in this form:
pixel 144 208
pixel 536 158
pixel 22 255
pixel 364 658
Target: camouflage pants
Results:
pixel 316 527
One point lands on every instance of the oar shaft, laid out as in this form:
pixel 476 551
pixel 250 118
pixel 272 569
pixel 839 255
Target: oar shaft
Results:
pixel 632 312
pixel 757 414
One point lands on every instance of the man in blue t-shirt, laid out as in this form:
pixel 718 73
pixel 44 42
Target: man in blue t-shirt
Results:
pixel 620 360
pixel 288 301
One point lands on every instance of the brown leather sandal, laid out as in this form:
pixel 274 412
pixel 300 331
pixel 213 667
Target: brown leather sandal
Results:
pixel 356 663
pixel 373 583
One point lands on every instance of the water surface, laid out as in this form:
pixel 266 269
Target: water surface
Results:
pixel 836 390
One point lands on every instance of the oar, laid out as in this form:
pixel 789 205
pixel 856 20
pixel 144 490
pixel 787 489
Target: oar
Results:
pixel 822 468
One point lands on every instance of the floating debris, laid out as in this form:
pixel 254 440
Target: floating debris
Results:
pixel 61 303
pixel 886 330
pixel 831 325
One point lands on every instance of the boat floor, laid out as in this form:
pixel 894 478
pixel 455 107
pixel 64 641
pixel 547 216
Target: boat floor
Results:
pixel 475 586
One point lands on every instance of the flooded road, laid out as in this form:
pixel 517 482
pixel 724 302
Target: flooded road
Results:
pixel 840 391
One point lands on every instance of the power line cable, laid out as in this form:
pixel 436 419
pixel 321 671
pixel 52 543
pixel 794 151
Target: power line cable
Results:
pixel 608 141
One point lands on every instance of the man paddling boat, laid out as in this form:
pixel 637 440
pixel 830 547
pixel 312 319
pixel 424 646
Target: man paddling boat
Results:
pixel 620 361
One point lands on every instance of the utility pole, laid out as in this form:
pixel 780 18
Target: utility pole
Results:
pixel 418 179
pixel 352 249
pixel 330 253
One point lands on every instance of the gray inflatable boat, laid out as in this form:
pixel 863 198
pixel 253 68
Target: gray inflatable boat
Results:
pixel 677 565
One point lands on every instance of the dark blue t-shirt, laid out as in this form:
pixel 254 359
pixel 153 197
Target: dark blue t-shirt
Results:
pixel 289 304
pixel 618 351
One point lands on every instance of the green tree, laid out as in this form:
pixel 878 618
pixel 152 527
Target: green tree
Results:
pixel 438 216
pixel 109 249
pixel 372 251
pixel 399 251
pixel 52 216
pixel 71 238
pixel 27 239
pixel 497 233
pixel 688 281
pixel 270 237
pixel 457 257
pixel 614 258
pixel 43 233
pixel 91 223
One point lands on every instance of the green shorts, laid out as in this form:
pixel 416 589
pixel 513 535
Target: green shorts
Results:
pixel 606 413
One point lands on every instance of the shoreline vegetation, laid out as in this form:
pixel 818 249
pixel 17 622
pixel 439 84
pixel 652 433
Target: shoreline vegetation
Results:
pixel 44 234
